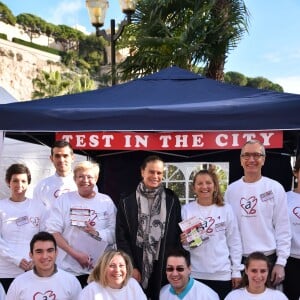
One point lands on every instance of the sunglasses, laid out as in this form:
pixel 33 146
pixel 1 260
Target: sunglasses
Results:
pixel 178 269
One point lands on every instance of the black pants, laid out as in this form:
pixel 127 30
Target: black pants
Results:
pixel 83 279
pixel 291 284
pixel 6 282
pixel 222 288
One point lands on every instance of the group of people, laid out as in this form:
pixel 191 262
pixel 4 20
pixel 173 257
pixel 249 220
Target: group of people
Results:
pixel 248 239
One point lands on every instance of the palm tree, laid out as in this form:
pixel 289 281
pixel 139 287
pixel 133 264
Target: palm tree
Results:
pixel 185 33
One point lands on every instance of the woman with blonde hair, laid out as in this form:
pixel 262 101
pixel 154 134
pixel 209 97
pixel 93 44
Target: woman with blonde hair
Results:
pixel 112 279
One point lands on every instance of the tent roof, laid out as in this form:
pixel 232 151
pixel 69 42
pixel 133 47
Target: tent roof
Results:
pixel 172 99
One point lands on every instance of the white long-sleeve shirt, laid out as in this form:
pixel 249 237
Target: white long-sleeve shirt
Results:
pixel 103 218
pixel 218 257
pixel 261 211
pixel 19 221
pixel 293 200
pixel 49 189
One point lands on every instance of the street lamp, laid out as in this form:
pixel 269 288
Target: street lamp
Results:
pixel 97 10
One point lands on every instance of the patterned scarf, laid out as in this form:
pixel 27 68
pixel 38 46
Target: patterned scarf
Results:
pixel 151 225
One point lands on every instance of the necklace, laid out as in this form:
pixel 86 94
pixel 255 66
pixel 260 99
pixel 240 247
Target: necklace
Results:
pixel 205 210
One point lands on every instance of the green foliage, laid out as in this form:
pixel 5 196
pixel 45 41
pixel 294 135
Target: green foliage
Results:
pixel 57 84
pixel 6 15
pixel 256 82
pixel 34 26
pixel 235 78
pixel 37 46
pixel 92 51
pixel 67 36
pixel 185 33
pixel 263 83
pixel 3 36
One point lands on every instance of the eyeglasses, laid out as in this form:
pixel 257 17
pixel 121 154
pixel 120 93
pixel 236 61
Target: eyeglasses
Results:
pixel 255 155
pixel 83 177
pixel 171 269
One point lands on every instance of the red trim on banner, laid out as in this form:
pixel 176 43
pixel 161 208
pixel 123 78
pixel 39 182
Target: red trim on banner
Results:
pixel 169 140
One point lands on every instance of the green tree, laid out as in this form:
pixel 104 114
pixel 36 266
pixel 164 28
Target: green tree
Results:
pixel 34 26
pixel 229 19
pixel 68 37
pixel 6 15
pixel 92 51
pixel 256 82
pixel 263 83
pixel 185 33
pixel 49 30
pixel 235 78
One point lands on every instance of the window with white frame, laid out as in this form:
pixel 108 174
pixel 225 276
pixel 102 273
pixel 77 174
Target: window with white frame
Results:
pixel 179 177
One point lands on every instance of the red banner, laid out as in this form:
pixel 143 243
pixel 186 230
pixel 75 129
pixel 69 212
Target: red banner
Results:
pixel 169 140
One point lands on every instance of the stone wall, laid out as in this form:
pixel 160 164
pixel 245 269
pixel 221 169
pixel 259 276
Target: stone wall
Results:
pixel 20 64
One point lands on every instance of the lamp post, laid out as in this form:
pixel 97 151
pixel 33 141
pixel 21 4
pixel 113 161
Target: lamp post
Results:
pixel 97 10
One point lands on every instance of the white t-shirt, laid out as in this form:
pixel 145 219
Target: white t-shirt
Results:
pixel 243 294
pixel 60 286
pixel 102 215
pixel 19 221
pixel 94 291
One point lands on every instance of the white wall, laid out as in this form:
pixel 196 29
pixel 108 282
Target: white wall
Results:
pixel 35 157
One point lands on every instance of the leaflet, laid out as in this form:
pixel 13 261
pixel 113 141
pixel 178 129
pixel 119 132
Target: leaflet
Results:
pixel 194 230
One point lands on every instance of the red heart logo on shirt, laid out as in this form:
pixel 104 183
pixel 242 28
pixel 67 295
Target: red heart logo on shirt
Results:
pixel 296 212
pixel 49 295
pixel 248 205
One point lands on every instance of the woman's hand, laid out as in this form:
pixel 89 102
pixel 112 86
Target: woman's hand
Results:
pixel 183 238
pixel 26 265
pixel 277 275
pixel 83 259
pixel 236 282
pixel 136 274
pixel 90 229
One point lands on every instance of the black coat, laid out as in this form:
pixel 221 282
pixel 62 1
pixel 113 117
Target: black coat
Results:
pixel 126 233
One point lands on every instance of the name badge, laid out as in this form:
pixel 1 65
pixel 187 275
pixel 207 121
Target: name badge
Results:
pixel 22 221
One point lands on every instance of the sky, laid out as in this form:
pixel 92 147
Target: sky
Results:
pixel 270 49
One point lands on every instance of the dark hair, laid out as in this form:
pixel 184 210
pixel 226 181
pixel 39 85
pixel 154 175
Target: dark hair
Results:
pixel 257 256
pixel 150 158
pixel 180 252
pixel 217 195
pixel 17 169
pixel 61 144
pixel 42 236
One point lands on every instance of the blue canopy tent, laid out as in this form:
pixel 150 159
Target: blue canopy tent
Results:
pixel 172 99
